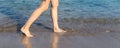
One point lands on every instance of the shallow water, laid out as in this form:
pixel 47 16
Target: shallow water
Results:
pixel 68 8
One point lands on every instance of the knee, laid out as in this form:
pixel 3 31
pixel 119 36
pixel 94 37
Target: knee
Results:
pixel 43 8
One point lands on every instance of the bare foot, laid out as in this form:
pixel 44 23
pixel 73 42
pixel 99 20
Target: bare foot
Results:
pixel 26 32
pixel 59 30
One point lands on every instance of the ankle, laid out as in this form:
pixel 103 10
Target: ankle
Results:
pixel 27 29
pixel 56 28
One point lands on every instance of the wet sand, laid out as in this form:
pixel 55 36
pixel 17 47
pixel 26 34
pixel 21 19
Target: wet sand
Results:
pixel 88 33
pixel 54 40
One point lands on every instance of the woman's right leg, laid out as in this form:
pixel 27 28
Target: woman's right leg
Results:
pixel 43 7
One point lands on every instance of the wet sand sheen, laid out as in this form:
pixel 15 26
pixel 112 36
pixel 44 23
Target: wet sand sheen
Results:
pixel 55 40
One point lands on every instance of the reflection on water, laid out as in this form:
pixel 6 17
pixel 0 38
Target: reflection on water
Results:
pixel 26 42
pixel 55 40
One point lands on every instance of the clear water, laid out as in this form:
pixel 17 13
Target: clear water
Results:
pixel 67 8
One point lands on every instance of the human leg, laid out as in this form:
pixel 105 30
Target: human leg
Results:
pixel 54 14
pixel 43 7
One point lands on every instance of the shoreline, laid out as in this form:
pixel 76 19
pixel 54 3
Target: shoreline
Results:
pixel 69 24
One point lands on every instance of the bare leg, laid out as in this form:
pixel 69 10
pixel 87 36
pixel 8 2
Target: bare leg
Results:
pixel 54 14
pixel 43 7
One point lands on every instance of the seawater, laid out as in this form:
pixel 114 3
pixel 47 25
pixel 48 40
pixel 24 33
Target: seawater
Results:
pixel 67 8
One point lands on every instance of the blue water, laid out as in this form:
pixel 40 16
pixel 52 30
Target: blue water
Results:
pixel 67 8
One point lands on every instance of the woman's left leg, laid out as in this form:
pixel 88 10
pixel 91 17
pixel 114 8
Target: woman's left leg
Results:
pixel 54 14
